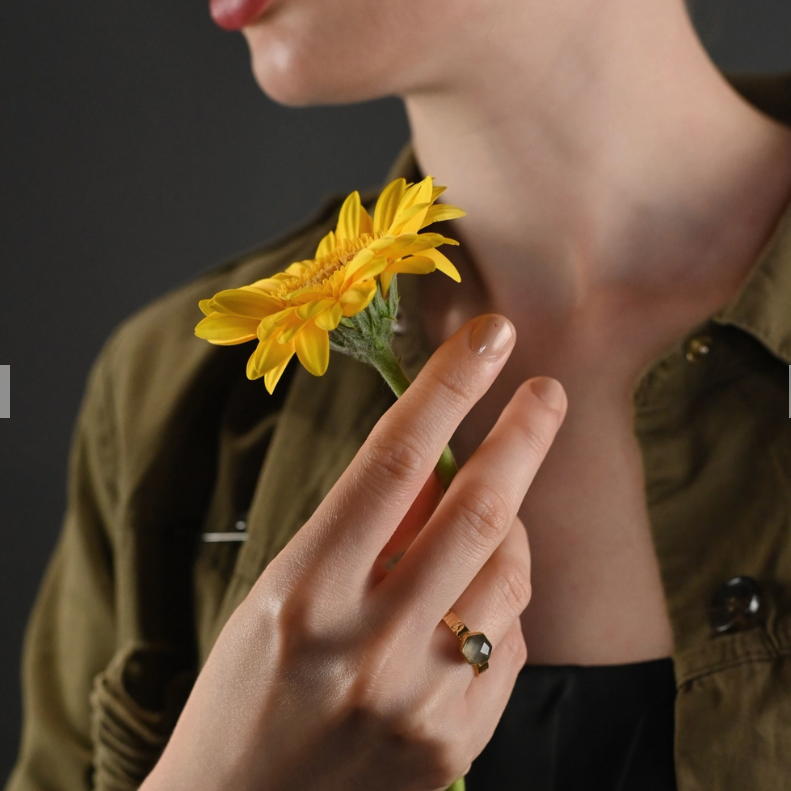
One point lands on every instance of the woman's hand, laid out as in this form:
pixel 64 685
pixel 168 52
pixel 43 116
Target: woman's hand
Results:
pixel 332 675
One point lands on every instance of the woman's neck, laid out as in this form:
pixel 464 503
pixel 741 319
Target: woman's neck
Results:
pixel 596 148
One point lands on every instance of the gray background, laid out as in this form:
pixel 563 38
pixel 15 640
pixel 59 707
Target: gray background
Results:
pixel 135 151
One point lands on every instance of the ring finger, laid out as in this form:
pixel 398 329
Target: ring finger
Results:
pixel 499 593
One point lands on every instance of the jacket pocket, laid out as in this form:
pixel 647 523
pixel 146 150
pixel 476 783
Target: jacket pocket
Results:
pixel 135 703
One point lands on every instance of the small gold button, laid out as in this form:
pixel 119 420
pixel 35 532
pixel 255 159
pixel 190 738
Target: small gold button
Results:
pixel 697 348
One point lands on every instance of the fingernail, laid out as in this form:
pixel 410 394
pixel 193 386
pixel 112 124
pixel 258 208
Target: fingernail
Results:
pixel 491 336
pixel 549 391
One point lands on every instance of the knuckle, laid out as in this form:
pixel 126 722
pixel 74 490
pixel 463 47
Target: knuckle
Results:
pixel 413 734
pixel 301 618
pixel 445 768
pixel 298 625
pixel 514 645
pixel 515 588
pixel 455 384
pixel 483 515
pixel 535 437
pixel 441 778
pixel 396 456
pixel 519 649
pixel 537 428
pixel 408 725
pixel 366 703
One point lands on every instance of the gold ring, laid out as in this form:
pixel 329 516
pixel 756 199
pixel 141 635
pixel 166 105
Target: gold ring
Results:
pixel 474 646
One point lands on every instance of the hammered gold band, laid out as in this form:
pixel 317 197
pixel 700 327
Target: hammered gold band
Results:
pixel 474 646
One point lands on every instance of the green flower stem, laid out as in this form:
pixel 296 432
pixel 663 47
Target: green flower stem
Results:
pixel 368 336
pixel 388 366
pixel 446 467
pixel 390 369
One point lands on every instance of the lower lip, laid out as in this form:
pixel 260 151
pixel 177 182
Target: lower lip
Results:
pixel 236 14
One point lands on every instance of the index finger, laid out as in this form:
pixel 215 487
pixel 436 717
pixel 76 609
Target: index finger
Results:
pixel 363 509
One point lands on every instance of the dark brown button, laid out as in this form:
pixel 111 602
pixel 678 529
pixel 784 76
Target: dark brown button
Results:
pixel 697 348
pixel 735 606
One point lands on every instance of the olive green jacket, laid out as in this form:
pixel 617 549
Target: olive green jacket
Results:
pixel 174 443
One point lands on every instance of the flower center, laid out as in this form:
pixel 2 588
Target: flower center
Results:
pixel 320 270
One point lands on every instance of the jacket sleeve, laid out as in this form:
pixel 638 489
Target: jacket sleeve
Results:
pixel 70 637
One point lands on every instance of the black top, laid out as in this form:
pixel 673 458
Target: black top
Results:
pixel 567 728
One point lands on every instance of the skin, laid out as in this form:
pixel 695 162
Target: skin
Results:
pixel 618 192
pixel 331 675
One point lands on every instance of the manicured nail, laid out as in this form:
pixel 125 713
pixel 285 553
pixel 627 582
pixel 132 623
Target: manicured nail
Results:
pixel 549 391
pixel 491 336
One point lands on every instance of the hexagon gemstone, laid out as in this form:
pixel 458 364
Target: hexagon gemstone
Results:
pixel 476 648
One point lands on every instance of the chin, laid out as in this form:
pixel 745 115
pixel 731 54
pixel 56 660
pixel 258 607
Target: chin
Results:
pixel 298 65
pixel 293 81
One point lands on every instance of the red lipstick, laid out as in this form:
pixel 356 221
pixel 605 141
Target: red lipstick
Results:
pixel 236 14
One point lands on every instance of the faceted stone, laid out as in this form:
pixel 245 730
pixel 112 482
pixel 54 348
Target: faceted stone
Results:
pixel 476 648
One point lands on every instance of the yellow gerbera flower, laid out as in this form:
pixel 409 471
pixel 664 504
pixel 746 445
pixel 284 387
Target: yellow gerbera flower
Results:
pixel 294 311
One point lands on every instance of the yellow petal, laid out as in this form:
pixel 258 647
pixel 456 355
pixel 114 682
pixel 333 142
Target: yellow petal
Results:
pixel 313 348
pixel 312 309
pixel 349 219
pixel 358 297
pixel 272 324
pixel 358 293
pixel 396 245
pixel 288 334
pixel 272 376
pixel 265 329
pixel 386 205
pixel 224 330
pixel 385 279
pixel 330 319
pixel 267 285
pixel 359 260
pixel 410 244
pixel 417 193
pixel 443 264
pixel 438 239
pixel 295 269
pixel 366 223
pixel 414 265
pixel 369 271
pixel 380 244
pixel 436 192
pixel 326 245
pixel 408 198
pixel 284 317
pixel 204 306
pixel 440 212
pixel 253 371
pixel 269 354
pixel 412 219
pixel 310 295
pixel 247 302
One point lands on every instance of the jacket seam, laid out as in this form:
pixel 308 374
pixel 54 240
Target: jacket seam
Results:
pixel 744 659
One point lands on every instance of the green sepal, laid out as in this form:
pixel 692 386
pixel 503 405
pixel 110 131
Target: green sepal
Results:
pixel 368 334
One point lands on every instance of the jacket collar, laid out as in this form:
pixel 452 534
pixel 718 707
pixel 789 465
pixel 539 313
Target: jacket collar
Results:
pixel 762 307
